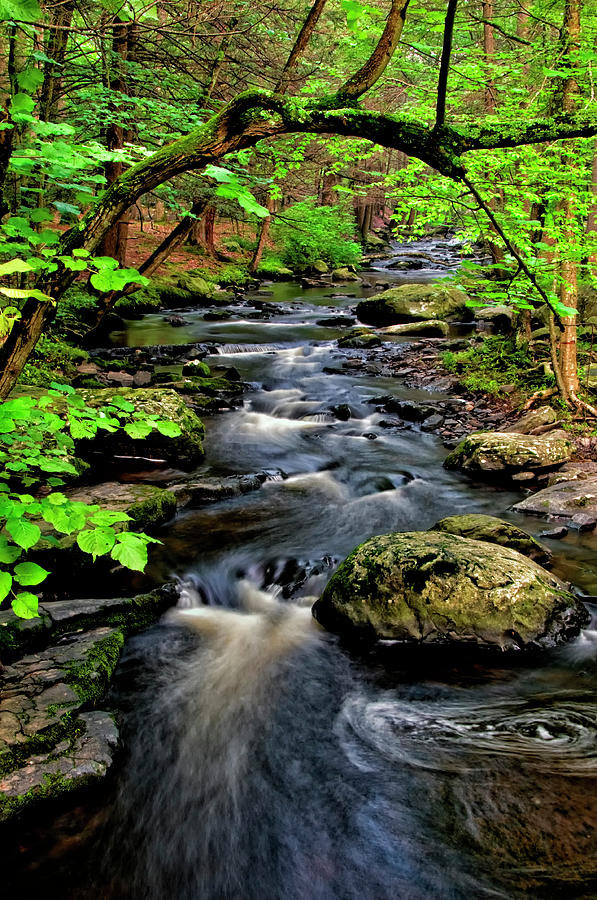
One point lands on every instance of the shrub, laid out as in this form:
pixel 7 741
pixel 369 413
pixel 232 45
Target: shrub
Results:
pixel 305 233
pixel 36 451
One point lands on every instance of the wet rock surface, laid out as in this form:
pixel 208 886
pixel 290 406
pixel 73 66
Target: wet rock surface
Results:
pixel 431 587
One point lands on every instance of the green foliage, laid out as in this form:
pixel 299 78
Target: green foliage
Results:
pixel 37 444
pixel 496 361
pixel 306 232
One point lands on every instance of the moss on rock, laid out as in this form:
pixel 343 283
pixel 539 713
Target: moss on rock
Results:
pixel 499 452
pixel 434 587
pixel 494 531
pixel 147 505
pixel 412 302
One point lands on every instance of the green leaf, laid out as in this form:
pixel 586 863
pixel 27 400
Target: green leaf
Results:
pixel 30 79
pixel 23 533
pixel 20 11
pixel 21 107
pixel 131 551
pixel 15 265
pixel 25 605
pixel 97 542
pixel 5 584
pixel 138 430
pixel 8 552
pixel 29 573
pixel 41 215
pixel 108 517
pixel 168 429
pixel 67 208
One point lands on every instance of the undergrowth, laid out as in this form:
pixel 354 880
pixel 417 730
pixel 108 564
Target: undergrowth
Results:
pixel 487 367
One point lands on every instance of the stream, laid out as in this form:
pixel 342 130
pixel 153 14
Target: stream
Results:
pixel 266 760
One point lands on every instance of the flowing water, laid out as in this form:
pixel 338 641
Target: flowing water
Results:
pixel 267 762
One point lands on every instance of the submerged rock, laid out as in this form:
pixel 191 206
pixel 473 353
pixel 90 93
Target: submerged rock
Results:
pixel 412 302
pixel 432 587
pixel 500 452
pixel 494 531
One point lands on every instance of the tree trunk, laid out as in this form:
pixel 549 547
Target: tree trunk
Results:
pixel 489 53
pixel 568 266
pixel 123 43
pixel 56 51
pixel 263 236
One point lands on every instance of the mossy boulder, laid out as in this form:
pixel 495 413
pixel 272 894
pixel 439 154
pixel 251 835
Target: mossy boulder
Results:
pixel 431 587
pixel 494 531
pixel 185 450
pixel 498 453
pixel 147 505
pixel 359 339
pixel 274 269
pixel 319 267
pixel 200 289
pixel 344 274
pixel 413 302
pixel 427 328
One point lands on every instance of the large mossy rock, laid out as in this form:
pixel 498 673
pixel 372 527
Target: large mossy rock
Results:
pixel 432 587
pixel 498 452
pixel 185 450
pixel 412 302
pixel 494 531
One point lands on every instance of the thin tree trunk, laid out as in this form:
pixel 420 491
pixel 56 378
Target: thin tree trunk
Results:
pixel 568 266
pixel 123 41
pixel 171 242
pixel 489 53
pixel 56 51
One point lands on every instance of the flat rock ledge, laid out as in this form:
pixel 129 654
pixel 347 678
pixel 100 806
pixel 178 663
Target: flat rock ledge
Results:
pixel 428 587
pixel 572 503
pixel 519 456
pixel 53 736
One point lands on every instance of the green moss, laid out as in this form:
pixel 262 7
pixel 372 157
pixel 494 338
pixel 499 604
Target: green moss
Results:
pixel 67 728
pixel 91 678
pixel 157 507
